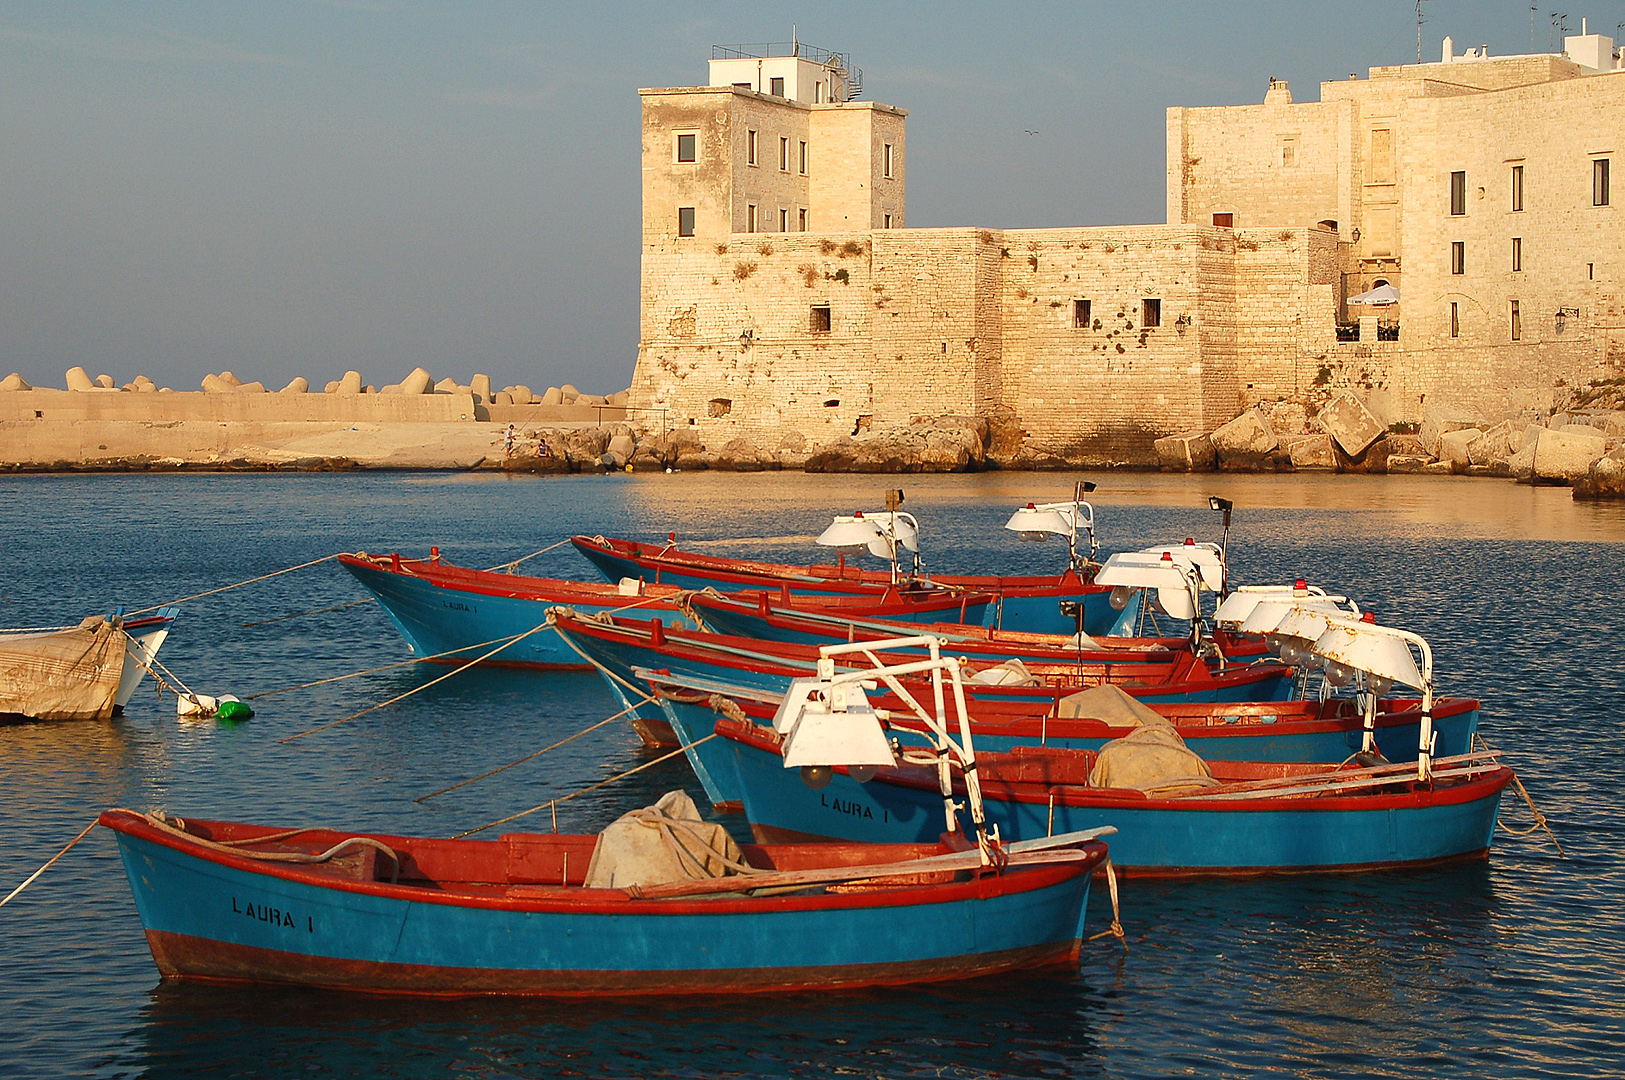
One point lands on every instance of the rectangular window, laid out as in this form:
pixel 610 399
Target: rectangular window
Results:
pixel 784 154
pixel 784 220
pixel 1225 221
pixel 886 218
pixel 776 87
pixel 1517 322
pixel 1150 313
pixel 885 159
pixel 818 323
pixel 1455 319
pixel 818 93
pixel 686 147
pixel 1517 187
pixel 1458 194
pixel 750 147
pixel 803 159
pixel 685 221
pixel 1599 182
pixel 1289 152
pixel 1458 257
pixel 801 218
pixel 1517 253
pixel 750 217
pixel 1080 314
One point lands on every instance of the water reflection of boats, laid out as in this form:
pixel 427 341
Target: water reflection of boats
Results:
pixel 84 672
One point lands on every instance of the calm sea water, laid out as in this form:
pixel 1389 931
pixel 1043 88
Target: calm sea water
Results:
pixel 1505 969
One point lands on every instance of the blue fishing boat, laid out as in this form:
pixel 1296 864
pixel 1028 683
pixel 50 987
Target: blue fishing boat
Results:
pixel 1176 814
pixel 453 614
pixel 624 648
pixel 1045 603
pixel 531 913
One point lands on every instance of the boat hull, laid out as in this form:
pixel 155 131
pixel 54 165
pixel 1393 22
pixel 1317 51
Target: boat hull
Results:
pixel 437 619
pixel 205 919
pixel 1220 737
pixel 1155 837
pixel 1026 603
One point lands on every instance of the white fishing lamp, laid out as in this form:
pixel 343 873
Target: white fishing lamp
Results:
pixel 1386 652
pixel 1176 581
pixel 1039 521
pixel 881 532
pixel 1205 557
pixel 827 724
pixel 1234 609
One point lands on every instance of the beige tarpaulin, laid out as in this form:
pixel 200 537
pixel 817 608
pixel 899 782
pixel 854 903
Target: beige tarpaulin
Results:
pixel 1152 760
pixel 664 842
pixel 65 674
pixel 1112 704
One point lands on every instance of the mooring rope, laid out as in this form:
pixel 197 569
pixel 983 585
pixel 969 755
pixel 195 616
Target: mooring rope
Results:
pixel 594 787
pixel 514 565
pixel 178 828
pixel 400 697
pixel 1116 928
pixel 228 588
pixel 536 754
pixel 376 670
pixel 31 877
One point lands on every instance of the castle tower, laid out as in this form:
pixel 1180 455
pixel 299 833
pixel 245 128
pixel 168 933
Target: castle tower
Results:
pixel 775 143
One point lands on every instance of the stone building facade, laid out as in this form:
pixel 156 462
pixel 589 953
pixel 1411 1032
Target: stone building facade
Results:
pixel 783 292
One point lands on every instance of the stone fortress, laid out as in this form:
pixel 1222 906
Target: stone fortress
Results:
pixel 786 305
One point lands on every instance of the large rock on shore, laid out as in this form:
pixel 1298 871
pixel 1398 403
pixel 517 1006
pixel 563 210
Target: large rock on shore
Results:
pixel 1313 453
pixel 1247 443
pixel 1350 424
pixel 14 381
pixel 943 444
pixel 1438 418
pixel 1562 457
pixel 1189 451
pixel 79 379
pixel 1453 447
pixel 1605 479
pixel 299 385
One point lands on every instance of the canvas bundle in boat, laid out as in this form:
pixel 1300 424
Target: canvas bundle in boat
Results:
pixel 1111 704
pixel 1154 760
pixel 63 675
pixel 664 842
pixel 1010 673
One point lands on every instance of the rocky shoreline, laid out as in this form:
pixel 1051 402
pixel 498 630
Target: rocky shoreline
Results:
pixel 417 424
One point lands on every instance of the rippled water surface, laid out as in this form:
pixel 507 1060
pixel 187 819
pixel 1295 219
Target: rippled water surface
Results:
pixel 1505 969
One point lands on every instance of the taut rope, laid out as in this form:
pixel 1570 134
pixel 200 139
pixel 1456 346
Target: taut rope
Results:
pixel 583 791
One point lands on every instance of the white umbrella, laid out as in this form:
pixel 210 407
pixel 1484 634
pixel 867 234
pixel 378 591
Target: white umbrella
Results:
pixel 1381 296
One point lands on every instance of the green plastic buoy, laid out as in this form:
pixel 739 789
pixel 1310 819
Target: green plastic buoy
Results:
pixel 233 710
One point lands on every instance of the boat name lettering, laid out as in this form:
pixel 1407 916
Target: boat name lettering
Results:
pixel 267 913
pixel 457 605
pixel 847 806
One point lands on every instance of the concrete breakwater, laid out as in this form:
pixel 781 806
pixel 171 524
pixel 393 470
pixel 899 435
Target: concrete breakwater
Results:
pixel 414 424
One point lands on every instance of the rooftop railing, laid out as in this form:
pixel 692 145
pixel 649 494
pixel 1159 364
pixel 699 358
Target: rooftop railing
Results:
pixel 768 49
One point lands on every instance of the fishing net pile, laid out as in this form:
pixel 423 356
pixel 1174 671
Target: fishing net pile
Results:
pixel 1151 758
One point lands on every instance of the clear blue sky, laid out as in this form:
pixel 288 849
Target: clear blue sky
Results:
pixel 297 187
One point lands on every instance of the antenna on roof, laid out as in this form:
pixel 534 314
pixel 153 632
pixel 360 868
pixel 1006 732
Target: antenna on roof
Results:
pixel 1419 21
pixel 795 42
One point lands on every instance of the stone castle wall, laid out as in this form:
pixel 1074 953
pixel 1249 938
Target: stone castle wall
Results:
pixel 966 321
